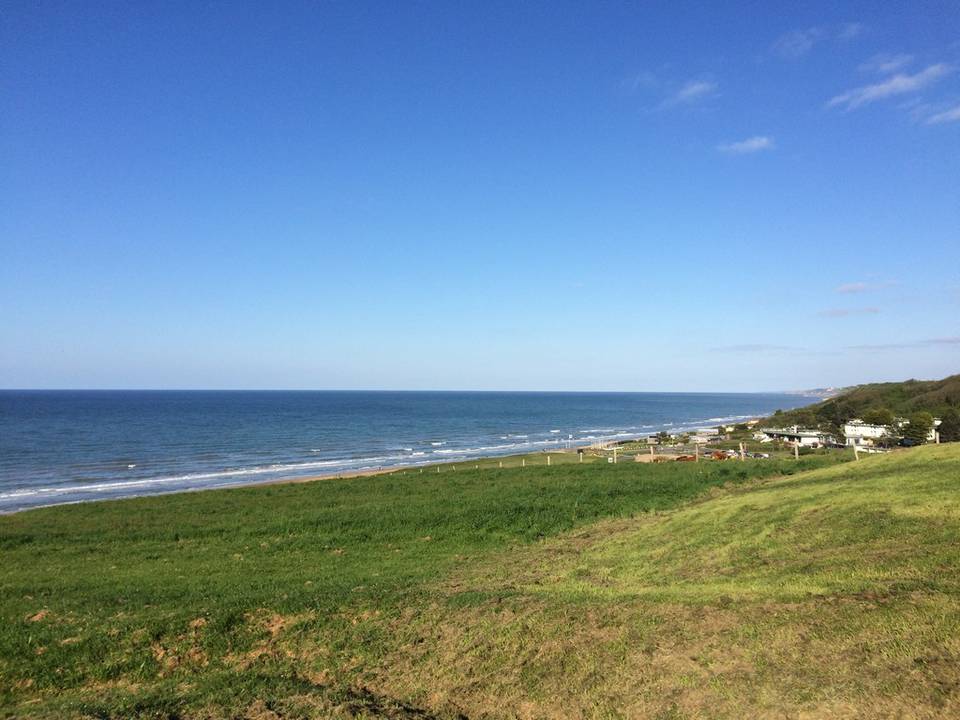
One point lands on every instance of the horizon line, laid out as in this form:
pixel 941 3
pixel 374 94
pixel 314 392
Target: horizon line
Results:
pixel 410 390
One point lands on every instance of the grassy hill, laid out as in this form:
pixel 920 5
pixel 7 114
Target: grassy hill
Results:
pixel 680 590
pixel 902 398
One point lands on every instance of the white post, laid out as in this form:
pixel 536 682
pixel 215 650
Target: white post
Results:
pixel 548 459
pixel 796 451
pixel 856 452
pixel 523 462
pixel 501 463
pixel 614 454
pixel 742 456
pixel 580 455
pixel 696 451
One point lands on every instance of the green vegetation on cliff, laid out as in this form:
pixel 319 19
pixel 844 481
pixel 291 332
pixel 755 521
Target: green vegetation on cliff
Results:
pixel 879 403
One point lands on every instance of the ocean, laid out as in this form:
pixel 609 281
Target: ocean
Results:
pixel 72 446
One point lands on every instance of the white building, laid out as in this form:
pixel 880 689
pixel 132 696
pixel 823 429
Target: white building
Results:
pixel 800 436
pixel 857 432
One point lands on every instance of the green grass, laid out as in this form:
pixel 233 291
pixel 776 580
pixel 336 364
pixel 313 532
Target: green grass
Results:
pixel 579 589
pixel 118 584
pixel 833 593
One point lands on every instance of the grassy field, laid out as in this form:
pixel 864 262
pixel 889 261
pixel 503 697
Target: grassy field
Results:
pixel 576 590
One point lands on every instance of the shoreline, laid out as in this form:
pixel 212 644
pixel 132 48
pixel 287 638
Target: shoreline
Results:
pixel 296 479
pixel 618 440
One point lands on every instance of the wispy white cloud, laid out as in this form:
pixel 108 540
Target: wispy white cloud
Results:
pixel 797 43
pixel 691 92
pixel 847 312
pixel 850 30
pixel 951 115
pixel 860 286
pixel 750 145
pixel 898 84
pixel 931 342
pixel 755 348
pixel 639 81
pixel 886 64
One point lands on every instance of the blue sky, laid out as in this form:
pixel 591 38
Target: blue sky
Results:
pixel 637 196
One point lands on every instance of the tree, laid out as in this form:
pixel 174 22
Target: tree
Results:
pixel 918 427
pixel 878 416
pixel 950 426
pixel 836 431
pixel 835 413
pixel 806 419
pixel 886 441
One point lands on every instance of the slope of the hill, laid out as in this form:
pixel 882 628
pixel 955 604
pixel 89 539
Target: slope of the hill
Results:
pixel 834 593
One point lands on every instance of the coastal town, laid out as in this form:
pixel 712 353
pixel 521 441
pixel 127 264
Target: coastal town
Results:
pixel 856 433
pixel 759 439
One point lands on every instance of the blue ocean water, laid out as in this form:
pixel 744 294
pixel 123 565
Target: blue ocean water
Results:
pixel 71 446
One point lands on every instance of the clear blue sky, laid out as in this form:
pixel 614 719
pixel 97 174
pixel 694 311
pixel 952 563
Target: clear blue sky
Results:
pixel 637 196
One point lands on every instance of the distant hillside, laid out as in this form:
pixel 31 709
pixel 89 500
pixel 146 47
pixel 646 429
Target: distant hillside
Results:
pixel 901 398
pixel 821 393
